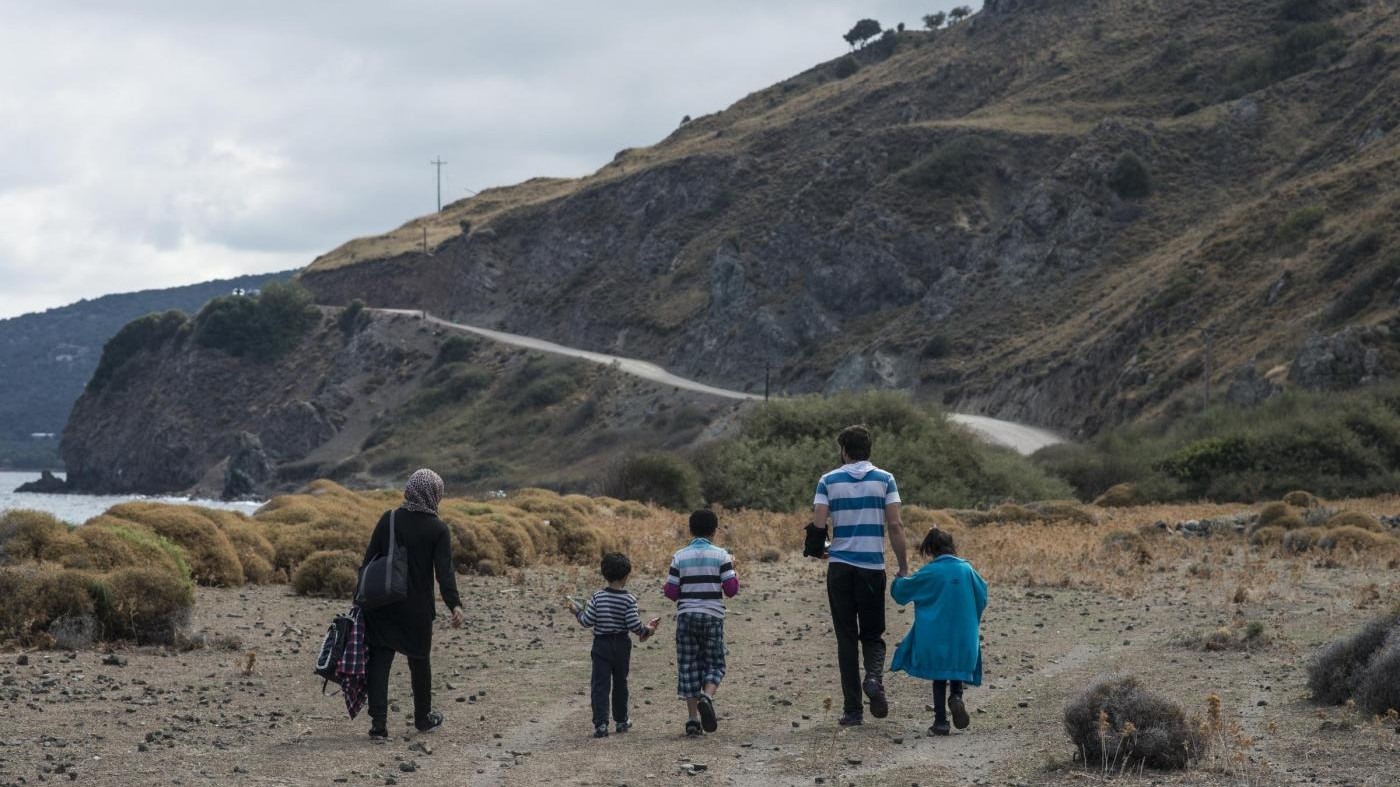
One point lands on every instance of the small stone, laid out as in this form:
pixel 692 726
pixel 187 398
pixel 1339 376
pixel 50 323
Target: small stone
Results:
pixel 898 741
pixel 408 766
pixel 22 660
pixel 853 761
pixel 113 660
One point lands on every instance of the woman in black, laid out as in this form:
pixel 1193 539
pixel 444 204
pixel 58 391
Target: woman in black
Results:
pixel 407 626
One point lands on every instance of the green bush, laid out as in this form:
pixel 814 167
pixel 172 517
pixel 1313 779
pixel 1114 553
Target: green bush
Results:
pixel 846 66
pixel 1130 178
pixel 353 317
pixel 953 167
pixel 261 327
pixel 783 447
pixel 137 336
pixel 664 479
pixel 1335 445
pixel 456 349
pixel 550 389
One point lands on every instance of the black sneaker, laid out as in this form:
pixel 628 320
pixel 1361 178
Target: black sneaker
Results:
pixel 601 731
pixel 378 731
pixel 959 711
pixel 853 718
pixel 692 729
pixel 430 723
pixel 875 692
pixel 623 726
pixel 939 728
pixel 708 720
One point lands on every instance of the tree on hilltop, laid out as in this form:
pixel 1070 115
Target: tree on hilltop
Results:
pixel 960 13
pixel 935 21
pixel 863 31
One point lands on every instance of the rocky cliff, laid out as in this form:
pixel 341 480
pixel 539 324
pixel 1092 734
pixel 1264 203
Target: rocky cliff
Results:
pixel 364 399
pixel 1066 212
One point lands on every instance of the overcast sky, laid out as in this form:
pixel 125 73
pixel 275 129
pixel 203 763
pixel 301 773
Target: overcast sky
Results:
pixel 176 141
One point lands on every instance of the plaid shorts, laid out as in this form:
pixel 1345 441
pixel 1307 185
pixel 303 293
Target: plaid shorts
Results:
pixel 699 652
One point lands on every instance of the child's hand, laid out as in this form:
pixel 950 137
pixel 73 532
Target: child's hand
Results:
pixel 573 606
pixel 653 624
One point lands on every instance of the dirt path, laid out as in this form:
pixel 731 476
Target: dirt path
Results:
pixel 1019 437
pixel 513 685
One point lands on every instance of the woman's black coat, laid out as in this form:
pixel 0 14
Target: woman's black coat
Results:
pixel 407 626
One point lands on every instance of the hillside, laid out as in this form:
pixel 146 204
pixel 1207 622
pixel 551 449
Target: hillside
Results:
pixel 361 398
pixel 1072 213
pixel 46 358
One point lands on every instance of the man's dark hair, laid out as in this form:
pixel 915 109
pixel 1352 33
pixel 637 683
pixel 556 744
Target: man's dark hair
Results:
pixel 938 542
pixel 855 441
pixel 703 523
pixel 616 567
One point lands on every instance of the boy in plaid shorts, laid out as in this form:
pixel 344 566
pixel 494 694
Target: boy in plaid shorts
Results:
pixel 701 577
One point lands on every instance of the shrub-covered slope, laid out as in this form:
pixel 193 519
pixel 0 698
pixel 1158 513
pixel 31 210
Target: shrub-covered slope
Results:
pixel 1065 212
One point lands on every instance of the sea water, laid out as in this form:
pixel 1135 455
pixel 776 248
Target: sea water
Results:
pixel 77 509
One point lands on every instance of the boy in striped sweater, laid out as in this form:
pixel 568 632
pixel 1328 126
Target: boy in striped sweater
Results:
pixel 612 613
pixel 701 577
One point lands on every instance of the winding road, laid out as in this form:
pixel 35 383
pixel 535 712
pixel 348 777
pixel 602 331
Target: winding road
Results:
pixel 1019 437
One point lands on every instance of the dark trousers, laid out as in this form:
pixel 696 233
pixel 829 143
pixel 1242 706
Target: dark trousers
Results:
pixel 942 690
pixel 857 597
pixel 421 672
pixel 612 660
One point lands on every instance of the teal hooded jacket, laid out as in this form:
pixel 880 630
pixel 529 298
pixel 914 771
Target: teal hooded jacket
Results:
pixel 943 644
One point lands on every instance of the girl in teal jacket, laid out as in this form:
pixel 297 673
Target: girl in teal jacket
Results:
pixel 944 643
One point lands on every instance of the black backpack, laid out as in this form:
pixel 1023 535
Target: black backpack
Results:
pixel 333 648
pixel 385 580
pixel 814 544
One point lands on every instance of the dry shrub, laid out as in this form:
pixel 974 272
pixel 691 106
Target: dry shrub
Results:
pixel 489 568
pixel 1118 721
pixel 1302 539
pixel 112 543
pixel 330 574
pixel 920 517
pixel 1268 535
pixel 1064 511
pixel 1357 520
pixel 472 543
pixel 1339 667
pixel 1275 513
pixel 46 606
pixel 325 517
pixel 629 509
pixel 254 551
pixel 1354 538
pixel 34 536
pixel 1241 636
pixel 579 543
pixel 212 558
pixel 1128 542
pixel 769 555
pixel 147 605
pixel 1301 499
pixel 1119 496
pixel 1378 691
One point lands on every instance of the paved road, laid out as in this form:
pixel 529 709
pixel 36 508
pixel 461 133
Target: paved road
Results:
pixel 1024 439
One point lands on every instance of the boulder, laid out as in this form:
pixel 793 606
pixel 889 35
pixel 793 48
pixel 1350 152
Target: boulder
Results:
pixel 48 484
pixel 1337 361
pixel 1248 387
pixel 248 468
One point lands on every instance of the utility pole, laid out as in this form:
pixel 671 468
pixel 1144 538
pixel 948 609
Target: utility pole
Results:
pixel 767 378
pixel 425 238
pixel 438 162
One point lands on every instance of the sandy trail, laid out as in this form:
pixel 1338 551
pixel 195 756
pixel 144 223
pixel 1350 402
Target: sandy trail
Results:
pixel 1021 438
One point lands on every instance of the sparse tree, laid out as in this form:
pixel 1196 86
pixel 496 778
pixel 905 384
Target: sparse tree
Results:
pixel 935 20
pixel 863 31
pixel 960 13
pixel 899 27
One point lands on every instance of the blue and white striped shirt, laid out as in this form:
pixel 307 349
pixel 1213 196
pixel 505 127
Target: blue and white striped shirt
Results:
pixel 857 494
pixel 701 575
pixel 612 612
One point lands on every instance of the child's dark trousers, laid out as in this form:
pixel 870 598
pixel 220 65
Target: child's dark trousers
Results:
pixel 942 690
pixel 612 659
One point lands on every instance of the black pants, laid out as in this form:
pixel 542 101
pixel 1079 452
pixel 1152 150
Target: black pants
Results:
pixel 942 690
pixel 421 672
pixel 612 660
pixel 857 597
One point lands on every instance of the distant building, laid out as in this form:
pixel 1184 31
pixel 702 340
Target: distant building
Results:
pixel 42 435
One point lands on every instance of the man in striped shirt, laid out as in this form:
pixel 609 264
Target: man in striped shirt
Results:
pixel 862 502
pixel 612 613
pixel 701 577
